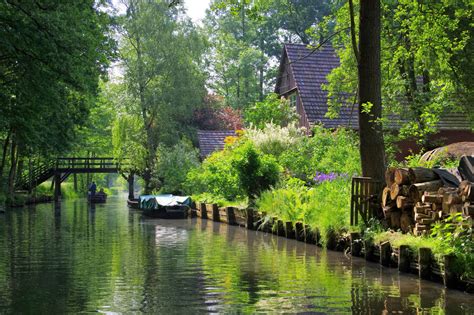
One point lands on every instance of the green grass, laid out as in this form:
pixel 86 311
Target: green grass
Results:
pixel 324 207
pixel 221 202
pixel 414 242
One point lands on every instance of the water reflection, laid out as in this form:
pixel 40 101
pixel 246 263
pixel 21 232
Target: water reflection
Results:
pixel 170 236
pixel 73 258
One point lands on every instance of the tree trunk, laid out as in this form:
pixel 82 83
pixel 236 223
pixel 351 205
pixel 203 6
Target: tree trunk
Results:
pixel 261 70
pixel 75 182
pixel 4 155
pixel 13 167
pixel 372 150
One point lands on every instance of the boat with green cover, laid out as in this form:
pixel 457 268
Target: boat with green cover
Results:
pixel 165 206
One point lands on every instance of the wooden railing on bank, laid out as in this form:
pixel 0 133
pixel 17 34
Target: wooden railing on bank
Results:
pixel 364 199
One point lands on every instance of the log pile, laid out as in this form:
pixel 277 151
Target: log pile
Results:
pixel 415 198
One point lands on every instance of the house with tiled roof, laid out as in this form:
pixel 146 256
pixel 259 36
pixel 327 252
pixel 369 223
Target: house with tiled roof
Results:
pixel 302 75
pixel 212 140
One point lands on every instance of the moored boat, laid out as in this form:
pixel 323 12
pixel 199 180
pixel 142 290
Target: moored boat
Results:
pixel 165 206
pixel 133 203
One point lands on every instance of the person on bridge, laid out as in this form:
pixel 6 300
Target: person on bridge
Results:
pixel 92 189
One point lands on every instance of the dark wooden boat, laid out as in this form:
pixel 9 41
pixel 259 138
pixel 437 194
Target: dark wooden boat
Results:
pixel 133 203
pixel 171 212
pixel 97 198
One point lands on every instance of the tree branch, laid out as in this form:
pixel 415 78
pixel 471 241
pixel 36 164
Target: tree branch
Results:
pixel 353 31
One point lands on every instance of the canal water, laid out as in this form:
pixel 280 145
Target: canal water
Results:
pixel 111 260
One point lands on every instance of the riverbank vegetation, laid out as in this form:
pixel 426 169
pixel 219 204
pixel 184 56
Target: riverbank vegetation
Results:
pixel 172 77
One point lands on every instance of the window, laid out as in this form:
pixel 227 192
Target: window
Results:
pixel 292 99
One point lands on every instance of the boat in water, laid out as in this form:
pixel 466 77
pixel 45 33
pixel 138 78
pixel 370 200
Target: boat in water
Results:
pixel 133 203
pixel 100 197
pixel 164 206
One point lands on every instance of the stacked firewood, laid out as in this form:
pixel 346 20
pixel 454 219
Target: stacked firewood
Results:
pixel 415 198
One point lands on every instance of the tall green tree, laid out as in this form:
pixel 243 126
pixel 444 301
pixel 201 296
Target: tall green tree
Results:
pixel 425 48
pixel 247 38
pixel 161 52
pixel 51 56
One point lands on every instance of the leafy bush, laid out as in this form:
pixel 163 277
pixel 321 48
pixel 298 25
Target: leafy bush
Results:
pixel 273 110
pixel 255 171
pixel 325 152
pixel 442 159
pixel 456 237
pixel 238 171
pixel 273 139
pixel 215 176
pixel 173 165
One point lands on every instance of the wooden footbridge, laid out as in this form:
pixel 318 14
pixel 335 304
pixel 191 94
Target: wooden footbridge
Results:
pixel 60 169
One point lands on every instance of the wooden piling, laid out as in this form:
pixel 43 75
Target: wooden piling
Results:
pixel 250 219
pixel 424 263
pixel 404 258
pixel 385 254
pixel 57 186
pixel 299 231
pixel 369 251
pixel 289 230
pixel 309 235
pixel 215 212
pixel 201 210
pixel 331 240
pixel 227 215
pixel 280 230
pixel 356 244
pixel 451 278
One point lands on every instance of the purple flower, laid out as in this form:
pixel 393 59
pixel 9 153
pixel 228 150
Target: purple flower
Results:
pixel 323 177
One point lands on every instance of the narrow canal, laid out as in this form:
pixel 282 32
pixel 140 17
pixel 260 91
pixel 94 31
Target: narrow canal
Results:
pixel 112 260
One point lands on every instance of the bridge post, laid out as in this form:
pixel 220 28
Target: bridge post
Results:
pixel 130 180
pixel 57 186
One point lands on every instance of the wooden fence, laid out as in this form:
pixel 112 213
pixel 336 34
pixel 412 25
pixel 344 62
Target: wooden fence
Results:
pixel 364 198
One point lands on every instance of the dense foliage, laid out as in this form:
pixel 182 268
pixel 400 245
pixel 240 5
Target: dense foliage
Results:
pixel 239 171
pixel 273 110
pixel 173 164
pixel 425 50
pixel 52 54
pixel 164 77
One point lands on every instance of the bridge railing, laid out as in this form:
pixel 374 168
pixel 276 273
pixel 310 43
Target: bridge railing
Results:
pixel 86 163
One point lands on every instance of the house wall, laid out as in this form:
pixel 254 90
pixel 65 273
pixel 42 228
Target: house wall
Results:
pixel 287 82
pixel 303 122
pixel 444 137
pixel 287 87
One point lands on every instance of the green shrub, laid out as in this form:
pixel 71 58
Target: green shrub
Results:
pixel 326 151
pixel 456 237
pixel 273 110
pixel 173 164
pixel 215 176
pixel 274 140
pixel 442 159
pixel 256 172
pixel 237 172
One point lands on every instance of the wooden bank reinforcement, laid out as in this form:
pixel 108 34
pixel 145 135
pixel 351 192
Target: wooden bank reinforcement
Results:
pixel 421 262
